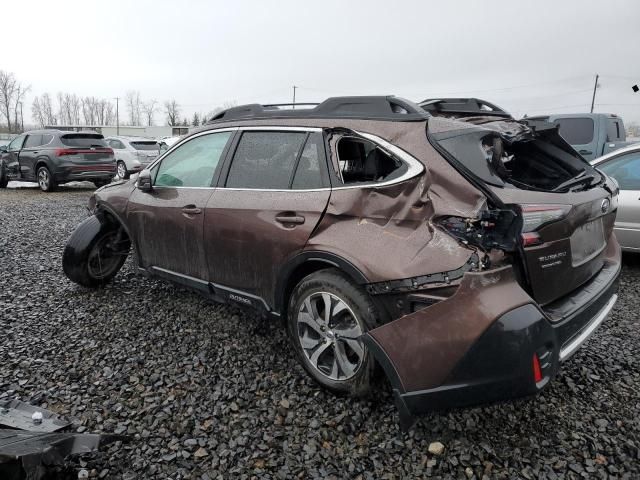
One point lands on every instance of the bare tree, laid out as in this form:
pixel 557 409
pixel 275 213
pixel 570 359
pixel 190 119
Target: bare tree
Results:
pixel 37 112
pixel 8 89
pixel 150 108
pixel 46 106
pixel 89 110
pixel 172 110
pixel 134 106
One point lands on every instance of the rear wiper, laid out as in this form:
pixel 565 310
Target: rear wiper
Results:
pixel 579 180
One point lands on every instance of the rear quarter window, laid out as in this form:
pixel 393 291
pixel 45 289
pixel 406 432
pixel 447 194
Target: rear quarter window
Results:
pixel 576 131
pixel 83 140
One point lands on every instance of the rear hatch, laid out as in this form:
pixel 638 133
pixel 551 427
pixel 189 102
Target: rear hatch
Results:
pixel 87 151
pixel 547 206
pixel 146 150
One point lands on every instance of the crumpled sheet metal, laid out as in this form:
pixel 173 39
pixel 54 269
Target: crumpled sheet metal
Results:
pixel 17 414
pixel 26 455
pixel 28 448
pixel 397 216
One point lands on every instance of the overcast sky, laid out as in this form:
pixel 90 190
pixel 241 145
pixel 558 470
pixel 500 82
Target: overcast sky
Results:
pixel 528 57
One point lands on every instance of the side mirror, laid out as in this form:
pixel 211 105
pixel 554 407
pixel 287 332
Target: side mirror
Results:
pixel 144 181
pixel 3 149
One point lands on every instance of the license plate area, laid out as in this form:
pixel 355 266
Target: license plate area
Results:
pixel 587 241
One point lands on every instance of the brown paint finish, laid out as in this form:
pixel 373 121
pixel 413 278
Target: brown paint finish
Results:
pixel 425 346
pixel 248 237
pixel 169 237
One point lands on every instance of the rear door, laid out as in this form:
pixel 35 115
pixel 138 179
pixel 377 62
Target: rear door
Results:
pixel 272 195
pixel 28 156
pixel 581 134
pixel 167 221
pixel 626 170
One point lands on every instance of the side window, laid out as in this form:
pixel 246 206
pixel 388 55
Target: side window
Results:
pixel 46 139
pixel 16 144
pixel 33 141
pixel 117 144
pixel 576 131
pixel 625 169
pixel 309 170
pixel 265 160
pixel 193 163
pixel 362 161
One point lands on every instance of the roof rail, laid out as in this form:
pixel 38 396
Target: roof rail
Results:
pixel 462 107
pixel 369 108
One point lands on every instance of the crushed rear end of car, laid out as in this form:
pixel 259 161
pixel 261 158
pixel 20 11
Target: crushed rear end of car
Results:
pixel 541 275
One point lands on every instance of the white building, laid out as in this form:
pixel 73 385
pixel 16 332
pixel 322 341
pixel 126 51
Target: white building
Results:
pixel 126 130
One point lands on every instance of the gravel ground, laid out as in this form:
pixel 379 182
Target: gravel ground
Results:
pixel 209 391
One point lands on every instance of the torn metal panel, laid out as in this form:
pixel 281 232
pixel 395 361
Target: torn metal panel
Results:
pixel 26 455
pixel 419 350
pixel 17 414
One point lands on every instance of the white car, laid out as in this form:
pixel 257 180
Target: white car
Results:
pixel 132 154
pixel 624 166
pixel 167 142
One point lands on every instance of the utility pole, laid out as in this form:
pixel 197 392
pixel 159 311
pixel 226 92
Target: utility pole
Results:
pixel 593 99
pixel 117 116
pixel 294 97
pixel 21 117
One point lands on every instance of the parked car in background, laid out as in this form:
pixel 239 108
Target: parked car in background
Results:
pixel 52 157
pixel 591 134
pixel 624 166
pixel 166 143
pixel 467 253
pixel 132 153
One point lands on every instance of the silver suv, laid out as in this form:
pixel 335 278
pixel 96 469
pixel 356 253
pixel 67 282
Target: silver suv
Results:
pixel 132 154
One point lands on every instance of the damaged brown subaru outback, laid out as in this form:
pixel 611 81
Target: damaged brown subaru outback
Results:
pixel 466 253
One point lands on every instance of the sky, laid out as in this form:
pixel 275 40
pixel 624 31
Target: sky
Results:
pixel 527 57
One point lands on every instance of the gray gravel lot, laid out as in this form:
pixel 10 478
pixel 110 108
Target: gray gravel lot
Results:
pixel 209 391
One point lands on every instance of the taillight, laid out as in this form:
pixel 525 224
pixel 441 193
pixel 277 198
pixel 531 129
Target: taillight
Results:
pixel 75 151
pixel 534 216
pixel 530 238
pixel 537 371
pixel 66 151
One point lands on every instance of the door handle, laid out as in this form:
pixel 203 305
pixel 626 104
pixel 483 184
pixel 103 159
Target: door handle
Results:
pixel 191 210
pixel 585 152
pixel 289 219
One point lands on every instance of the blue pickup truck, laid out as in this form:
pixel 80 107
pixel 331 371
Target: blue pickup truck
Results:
pixel 591 134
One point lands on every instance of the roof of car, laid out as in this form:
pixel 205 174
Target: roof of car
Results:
pixel 132 138
pixel 53 131
pixel 390 108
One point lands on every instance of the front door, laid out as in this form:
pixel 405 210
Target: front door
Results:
pixel 167 221
pixel 626 170
pixel 274 193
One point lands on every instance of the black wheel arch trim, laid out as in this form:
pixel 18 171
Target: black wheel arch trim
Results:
pixel 330 259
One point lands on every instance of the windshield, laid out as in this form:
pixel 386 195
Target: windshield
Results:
pixel 145 145
pixel 83 140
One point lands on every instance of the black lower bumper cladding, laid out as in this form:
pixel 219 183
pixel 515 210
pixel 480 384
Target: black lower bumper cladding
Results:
pixel 32 443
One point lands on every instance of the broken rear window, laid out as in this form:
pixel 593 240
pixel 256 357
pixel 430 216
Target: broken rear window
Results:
pixel 83 140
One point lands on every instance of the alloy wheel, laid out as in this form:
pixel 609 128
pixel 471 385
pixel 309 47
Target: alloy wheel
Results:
pixel 103 258
pixel 329 332
pixel 122 170
pixel 44 179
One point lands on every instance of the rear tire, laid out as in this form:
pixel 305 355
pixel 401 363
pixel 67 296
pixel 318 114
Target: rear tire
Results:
pixel 121 170
pixel 101 183
pixel 45 180
pixel 327 345
pixel 93 255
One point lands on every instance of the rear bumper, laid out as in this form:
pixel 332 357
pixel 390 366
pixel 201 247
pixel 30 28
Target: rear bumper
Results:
pixel 498 364
pixel 84 172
